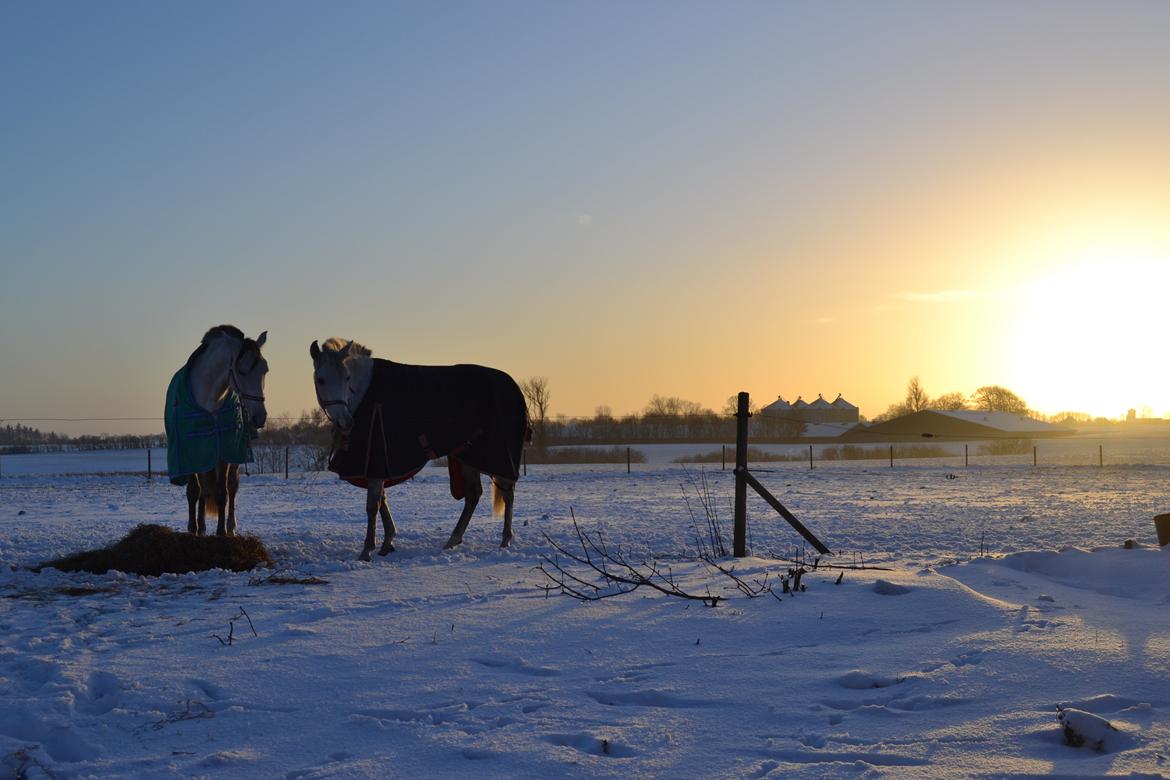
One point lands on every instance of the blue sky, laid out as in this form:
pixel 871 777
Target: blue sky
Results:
pixel 629 198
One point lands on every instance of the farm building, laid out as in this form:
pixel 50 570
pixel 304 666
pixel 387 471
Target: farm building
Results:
pixel 963 424
pixel 819 411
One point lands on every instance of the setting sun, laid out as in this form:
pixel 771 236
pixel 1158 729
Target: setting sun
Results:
pixel 1087 331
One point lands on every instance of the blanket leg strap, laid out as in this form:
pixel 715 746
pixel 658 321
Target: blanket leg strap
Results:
pixel 455 471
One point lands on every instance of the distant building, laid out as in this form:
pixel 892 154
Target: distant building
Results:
pixel 819 411
pixel 960 425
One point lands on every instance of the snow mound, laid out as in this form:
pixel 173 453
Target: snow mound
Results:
pixel 1142 574
pixel 1086 729
pixel 887 588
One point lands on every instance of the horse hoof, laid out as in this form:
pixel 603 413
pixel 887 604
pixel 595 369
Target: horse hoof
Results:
pixel 506 542
pixel 452 543
pixel 365 556
pixel 386 549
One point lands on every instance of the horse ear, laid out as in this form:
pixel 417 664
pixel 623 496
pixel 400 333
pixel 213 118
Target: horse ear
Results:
pixel 314 351
pixel 262 338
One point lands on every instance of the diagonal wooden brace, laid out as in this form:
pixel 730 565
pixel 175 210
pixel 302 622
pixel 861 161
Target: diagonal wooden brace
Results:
pixel 791 518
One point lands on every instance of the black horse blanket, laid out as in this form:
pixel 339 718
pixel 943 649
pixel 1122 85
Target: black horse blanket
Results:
pixel 412 414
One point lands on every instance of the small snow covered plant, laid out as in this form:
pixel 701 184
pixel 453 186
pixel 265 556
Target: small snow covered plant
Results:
pixel 1084 728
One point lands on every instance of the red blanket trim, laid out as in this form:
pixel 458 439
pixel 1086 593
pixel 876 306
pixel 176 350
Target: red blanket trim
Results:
pixel 455 471
pixel 362 482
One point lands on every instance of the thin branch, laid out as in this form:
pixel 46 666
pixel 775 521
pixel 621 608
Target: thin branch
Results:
pixel 616 574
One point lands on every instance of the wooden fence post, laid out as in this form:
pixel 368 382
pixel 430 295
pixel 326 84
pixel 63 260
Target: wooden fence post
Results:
pixel 1033 454
pixel 723 457
pixel 891 456
pixel 966 455
pixel 741 435
pixel 149 467
pixel 627 460
pixel 744 478
pixel 286 462
pixel 810 465
pixel 1100 455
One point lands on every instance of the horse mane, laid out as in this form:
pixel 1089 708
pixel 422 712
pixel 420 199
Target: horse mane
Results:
pixel 246 344
pixel 339 346
pixel 224 330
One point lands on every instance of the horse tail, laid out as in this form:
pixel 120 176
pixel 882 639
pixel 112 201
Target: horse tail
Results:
pixel 210 504
pixel 497 500
pixel 211 488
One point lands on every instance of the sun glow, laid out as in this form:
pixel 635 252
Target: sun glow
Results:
pixel 1091 330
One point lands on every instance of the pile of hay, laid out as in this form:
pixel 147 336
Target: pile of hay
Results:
pixel 151 550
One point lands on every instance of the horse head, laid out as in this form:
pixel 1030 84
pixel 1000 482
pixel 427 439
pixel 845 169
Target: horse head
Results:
pixel 335 364
pixel 248 371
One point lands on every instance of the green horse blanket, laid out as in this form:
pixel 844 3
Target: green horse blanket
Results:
pixel 198 439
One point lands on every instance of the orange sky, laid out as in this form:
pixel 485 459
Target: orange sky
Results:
pixel 634 199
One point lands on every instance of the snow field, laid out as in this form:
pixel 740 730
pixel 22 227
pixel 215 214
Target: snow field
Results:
pixel 457 664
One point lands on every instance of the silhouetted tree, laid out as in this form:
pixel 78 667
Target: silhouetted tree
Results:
pixel 993 398
pixel 950 402
pixel 732 405
pixel 916 397
pixel 538 396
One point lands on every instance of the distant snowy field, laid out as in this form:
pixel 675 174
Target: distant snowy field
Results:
pixel 1087 450
pixel 456 664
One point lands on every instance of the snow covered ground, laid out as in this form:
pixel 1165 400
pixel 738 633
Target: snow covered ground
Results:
pixel 456 664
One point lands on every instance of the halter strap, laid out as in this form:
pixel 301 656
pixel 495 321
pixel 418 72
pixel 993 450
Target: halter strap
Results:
pixel 234 382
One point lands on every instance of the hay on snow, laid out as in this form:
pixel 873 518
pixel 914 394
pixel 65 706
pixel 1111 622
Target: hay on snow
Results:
pixel 151 550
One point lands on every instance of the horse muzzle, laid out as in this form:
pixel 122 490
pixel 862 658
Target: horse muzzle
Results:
pixel 344 423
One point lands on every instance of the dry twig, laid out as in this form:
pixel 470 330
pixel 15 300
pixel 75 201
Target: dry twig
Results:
pixel 613 574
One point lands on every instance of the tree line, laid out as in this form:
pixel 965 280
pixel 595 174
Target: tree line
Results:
pixel 664 419
pixel 23 438
pixel 989 398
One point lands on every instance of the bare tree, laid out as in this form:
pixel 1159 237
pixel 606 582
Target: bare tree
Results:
pixel 731 406
pixel 672 406
pixel 950 402
pixel 993 398
pixel 537 395
pixel 916 397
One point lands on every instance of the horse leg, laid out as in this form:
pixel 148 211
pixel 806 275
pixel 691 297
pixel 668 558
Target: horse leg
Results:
pixel 205 495
pixel 503 497
pixel 194 505
pixel 388 525
pixel 219 489
pixel 472 491
pixel 373 501
pixel 233 487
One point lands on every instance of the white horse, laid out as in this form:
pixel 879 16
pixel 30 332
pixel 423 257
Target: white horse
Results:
pixel 215 405
pixel 392 418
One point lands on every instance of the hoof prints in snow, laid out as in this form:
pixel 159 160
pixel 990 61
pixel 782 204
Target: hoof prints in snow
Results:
pixel 840 757
pixel 103 694
pixel 859 680
pixel 587 743
pixel 646 699
pixel 904 701
pixel 515 665
pixel 382 718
